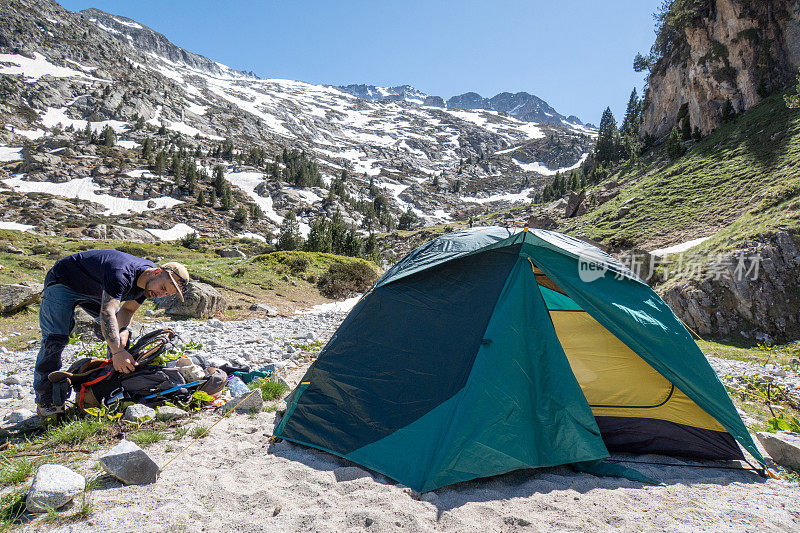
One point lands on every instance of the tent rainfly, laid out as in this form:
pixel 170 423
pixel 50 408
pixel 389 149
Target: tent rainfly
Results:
pixel 483 352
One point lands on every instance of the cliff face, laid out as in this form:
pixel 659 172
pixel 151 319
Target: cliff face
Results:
pixel 742 52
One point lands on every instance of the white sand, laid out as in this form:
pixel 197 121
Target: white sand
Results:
pixel 234 480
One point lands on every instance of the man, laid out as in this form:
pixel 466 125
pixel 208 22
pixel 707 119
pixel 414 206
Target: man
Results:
pixel 109 284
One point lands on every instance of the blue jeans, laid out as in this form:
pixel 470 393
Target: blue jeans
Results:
pixel 56 320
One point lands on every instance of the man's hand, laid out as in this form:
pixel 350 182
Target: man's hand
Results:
pixel 123 362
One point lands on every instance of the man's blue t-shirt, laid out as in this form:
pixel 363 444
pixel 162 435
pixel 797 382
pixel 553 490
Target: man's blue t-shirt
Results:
pixel 95 271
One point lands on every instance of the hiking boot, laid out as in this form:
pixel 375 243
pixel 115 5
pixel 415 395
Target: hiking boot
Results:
pixel 49 410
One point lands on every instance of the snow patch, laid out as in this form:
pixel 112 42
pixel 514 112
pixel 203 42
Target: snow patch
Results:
pixel 15 226
pixel 37 67
pixel 332 307
pixel 86 189
pixel 8 153
pixel 178 231
pixel 678 248
pixel 542 169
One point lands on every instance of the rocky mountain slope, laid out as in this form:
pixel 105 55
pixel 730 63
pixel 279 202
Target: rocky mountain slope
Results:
pixel 711 51
pixel 62 70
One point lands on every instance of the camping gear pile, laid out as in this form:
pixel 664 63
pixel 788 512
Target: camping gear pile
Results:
pixel 155 380
pixel 484 351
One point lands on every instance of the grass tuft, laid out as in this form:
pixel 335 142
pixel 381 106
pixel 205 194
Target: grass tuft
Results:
pixel 270 390
pixel 146 437
pixel 15 471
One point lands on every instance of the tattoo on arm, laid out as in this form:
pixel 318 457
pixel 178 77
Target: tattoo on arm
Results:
pixel 108 320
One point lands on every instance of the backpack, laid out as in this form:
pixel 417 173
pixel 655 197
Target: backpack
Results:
pixel 96 383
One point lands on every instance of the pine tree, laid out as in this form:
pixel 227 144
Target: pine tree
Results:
pixel 673 144
pixel 630 124
pixel 319 237
pixel 219 180
pixel 407 220
pixel 212 198
pixel 728 113
pixel 241 215
pixel 87 133
pixel 607 145
pixel 160 163
pixel 686 129
pixel 201 198
pixel 289 237
pixel 108 137
pixel 226 200
pixel 147 147
pixel 697 135
pixel 338 232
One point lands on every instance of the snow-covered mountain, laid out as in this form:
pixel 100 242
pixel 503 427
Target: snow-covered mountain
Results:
pixel 522 105
pixel 61 70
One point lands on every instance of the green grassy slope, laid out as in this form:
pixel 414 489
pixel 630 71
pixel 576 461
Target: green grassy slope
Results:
pixel 742 179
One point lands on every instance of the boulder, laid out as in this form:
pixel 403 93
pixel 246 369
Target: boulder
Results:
pixel 576 205
pixel 201 301
pixel 167 413
pixel 17 296
pixel 253 403
pixel 119 233
pixel 263 308
pixel 130 464
pixel 782 446
pixel 231 252
pixel 86 327
pixel 138 412
pixel 53 486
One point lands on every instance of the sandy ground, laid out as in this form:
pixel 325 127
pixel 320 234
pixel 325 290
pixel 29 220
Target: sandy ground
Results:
pixel 235 480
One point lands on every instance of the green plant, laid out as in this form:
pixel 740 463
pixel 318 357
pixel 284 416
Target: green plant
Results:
pixel 12 507
pixel 146 437
pixel 780 423
pixel 345 279
pixel 74 431
pixel 104 412
pixel 181 432
pixel 199 431
pixel 270 390
pixel 13 471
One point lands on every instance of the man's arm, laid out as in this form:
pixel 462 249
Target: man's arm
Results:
pixel 126 312
pixel 121 359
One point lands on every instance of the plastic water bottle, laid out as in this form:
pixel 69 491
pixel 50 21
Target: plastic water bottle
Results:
pixel 237 386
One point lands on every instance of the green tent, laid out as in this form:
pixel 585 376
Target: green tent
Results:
pixel 483 352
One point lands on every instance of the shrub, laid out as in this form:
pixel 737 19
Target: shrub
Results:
pixel 296 263
pixel 345 279
pixel 138 251
pixel 191 241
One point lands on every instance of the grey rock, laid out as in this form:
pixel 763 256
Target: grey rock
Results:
pixel 231 252
pixel 268 309
pixel 576 205
pixel 86 327
pixel 253 402
pixel 349 473
pixel 53 486
pixel 166 412
pixel 18 416
pixel 17 296
pixel 215 323
pixel 782 446
pixel 201 301
pixel 138 412
pixel 130 464
pixel 12 380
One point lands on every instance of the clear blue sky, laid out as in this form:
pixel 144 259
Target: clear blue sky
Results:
pixel 575 54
